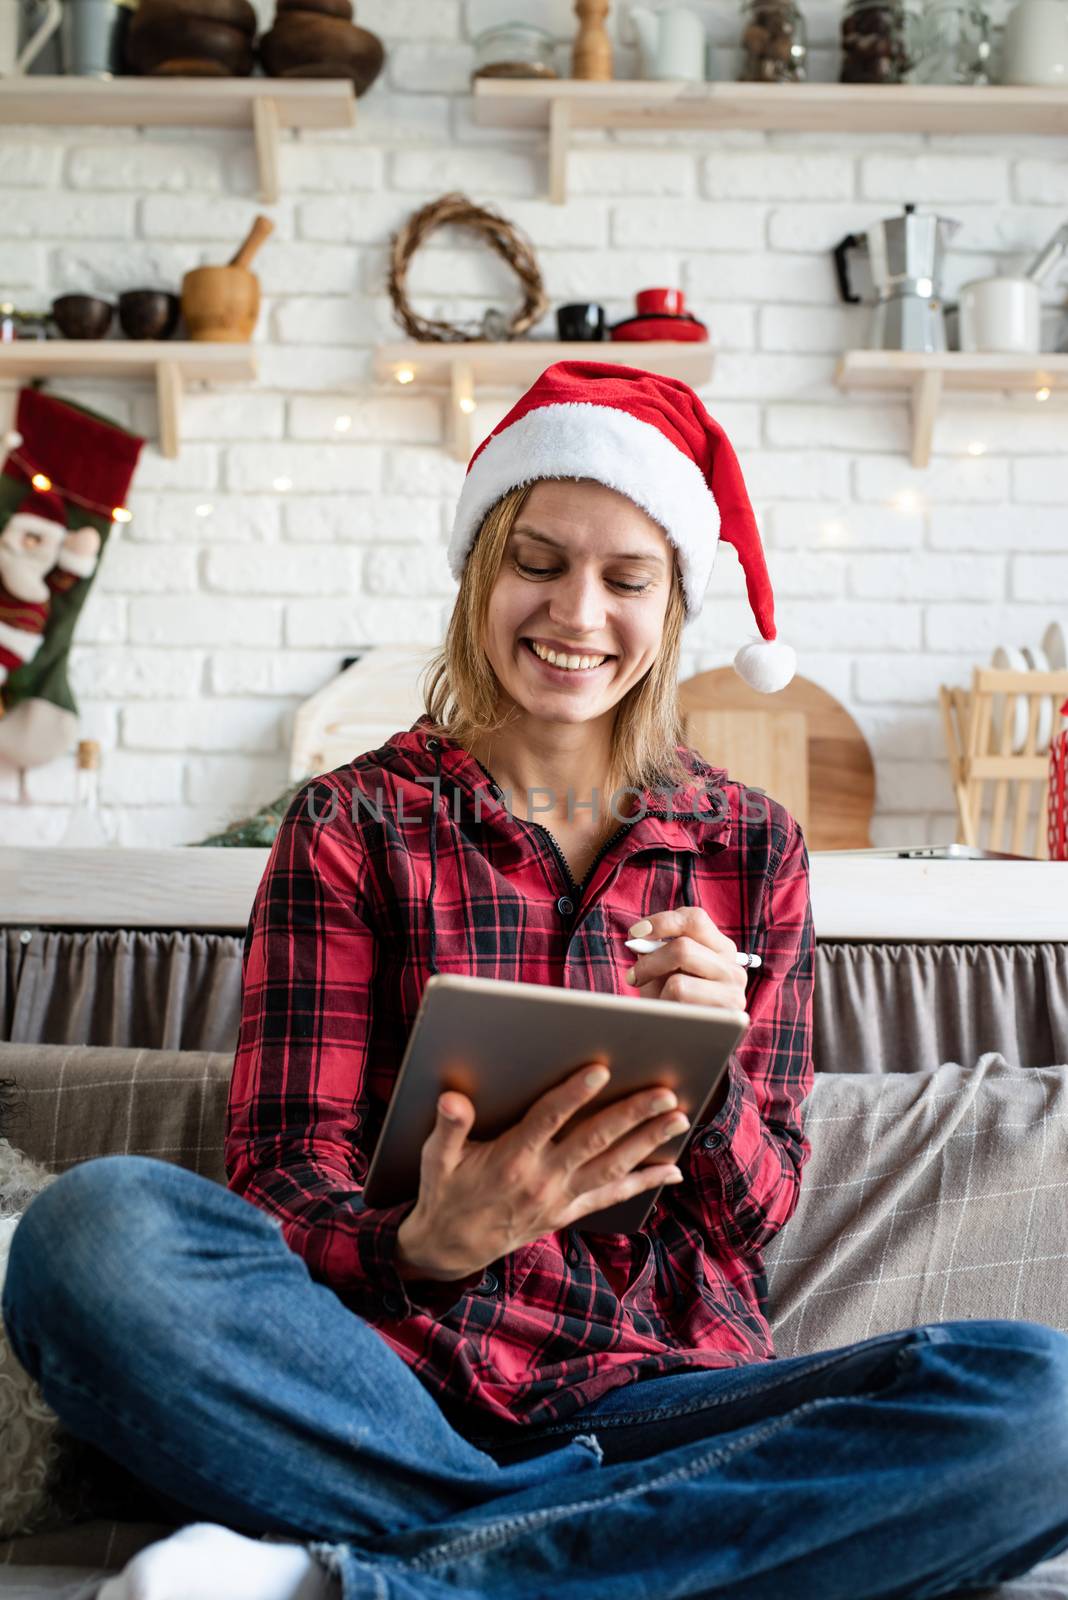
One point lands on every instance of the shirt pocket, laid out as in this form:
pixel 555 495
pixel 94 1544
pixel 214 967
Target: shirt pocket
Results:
pixel 520 1263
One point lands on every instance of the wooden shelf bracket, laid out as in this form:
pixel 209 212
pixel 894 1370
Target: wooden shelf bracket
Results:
pixel 560 123
pixel 462 391
pixel 926 393
pixel 170 390
pixel 266 124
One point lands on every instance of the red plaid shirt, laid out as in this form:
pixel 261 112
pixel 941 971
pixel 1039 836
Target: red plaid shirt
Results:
pixel 360 901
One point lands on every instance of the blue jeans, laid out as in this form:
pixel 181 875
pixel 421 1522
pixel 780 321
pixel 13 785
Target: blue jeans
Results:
pixel 169 1324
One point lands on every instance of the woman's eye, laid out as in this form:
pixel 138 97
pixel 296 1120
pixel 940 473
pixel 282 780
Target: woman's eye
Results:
pixel 547 572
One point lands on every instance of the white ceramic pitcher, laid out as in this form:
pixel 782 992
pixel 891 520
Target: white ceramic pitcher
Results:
pixel 13 61
pixel 1035 43
pixel 672 42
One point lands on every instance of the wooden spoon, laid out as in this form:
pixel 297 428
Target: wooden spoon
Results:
pixel 259 231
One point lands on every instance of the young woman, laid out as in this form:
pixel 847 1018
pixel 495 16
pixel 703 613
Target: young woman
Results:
pixel 467 1394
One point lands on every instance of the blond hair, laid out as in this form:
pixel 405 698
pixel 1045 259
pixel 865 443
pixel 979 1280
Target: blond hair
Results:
pixel 462 693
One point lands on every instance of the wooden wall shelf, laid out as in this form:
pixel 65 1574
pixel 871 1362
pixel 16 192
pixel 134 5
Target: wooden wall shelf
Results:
pixel 562 105
pixel 264 105
pixel 170 363
pixel 465 367
pixel 928 376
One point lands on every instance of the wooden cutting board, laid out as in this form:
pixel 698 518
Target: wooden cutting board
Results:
pixel 840 773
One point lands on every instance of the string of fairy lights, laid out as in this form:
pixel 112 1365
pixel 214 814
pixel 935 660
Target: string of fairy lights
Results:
pixel 13 442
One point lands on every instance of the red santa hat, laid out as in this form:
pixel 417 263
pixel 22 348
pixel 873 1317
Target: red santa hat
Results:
pixel 651 439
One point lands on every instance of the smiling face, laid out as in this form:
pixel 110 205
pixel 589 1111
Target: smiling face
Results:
pixel 585 577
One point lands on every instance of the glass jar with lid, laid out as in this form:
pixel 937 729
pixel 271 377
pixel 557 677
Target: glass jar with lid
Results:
pixel 953 43
pixel 879 39
pixel 774 42
pixel 514 50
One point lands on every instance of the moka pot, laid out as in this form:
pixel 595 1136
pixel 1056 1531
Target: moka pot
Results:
pixel 906 255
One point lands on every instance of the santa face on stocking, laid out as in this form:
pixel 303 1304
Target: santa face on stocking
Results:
pixel 38 558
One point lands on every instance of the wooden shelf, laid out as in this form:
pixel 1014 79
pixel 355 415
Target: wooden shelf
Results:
pixel 171 364
pixel 465 367
pixel 564 104
pixel 928 376
pixel 264 105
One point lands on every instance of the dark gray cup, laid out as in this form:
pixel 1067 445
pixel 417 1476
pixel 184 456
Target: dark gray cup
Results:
pixel 584 320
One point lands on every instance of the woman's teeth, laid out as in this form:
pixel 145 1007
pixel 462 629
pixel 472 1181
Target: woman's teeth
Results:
pixel 569 663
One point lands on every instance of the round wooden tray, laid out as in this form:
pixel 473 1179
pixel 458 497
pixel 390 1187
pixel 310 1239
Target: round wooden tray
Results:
pixel 841 774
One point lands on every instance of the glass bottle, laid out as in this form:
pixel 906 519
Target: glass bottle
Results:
pixel 953 44
pixel 514 50
pixel 85 825
pixel 878 37
pixel 774 42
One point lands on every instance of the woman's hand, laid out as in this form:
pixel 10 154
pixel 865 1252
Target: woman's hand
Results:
pixel 696 966
pixel 481 1199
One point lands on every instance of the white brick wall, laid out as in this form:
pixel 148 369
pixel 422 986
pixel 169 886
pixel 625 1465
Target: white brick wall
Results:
pixel 231 596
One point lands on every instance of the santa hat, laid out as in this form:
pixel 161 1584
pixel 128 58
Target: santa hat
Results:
pixel 651 439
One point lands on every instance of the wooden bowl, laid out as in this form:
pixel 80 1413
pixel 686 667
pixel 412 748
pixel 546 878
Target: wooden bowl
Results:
pixel 212 31
pixel 148 313
pixel 301 43
pixel 221 303
pixel 82 316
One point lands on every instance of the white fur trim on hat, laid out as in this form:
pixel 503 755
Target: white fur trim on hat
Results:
pixel 577 439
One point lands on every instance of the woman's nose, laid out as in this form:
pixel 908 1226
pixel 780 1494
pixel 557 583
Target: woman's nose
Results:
pixel 577 602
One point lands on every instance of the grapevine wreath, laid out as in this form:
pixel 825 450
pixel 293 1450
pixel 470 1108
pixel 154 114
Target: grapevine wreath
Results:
pixel 456 210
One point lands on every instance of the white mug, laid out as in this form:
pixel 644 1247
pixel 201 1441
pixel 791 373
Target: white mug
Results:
pixel 13 61
pixel 1000 315
pixel 1035 44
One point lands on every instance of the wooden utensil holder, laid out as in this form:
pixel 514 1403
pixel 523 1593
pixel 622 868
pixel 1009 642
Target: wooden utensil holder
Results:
pixel 981 753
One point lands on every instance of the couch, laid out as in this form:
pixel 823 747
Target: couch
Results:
pixel 928 1197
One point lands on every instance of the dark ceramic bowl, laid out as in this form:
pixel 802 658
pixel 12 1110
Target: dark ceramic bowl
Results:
pixel 82 316
pixel 148 313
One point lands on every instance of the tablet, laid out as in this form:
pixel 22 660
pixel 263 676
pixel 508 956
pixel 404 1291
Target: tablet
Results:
pixel 504 1044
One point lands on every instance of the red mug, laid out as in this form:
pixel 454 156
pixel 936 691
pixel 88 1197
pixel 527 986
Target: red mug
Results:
pixel 668 302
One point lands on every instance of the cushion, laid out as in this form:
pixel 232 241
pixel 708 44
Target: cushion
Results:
pixel 928 1197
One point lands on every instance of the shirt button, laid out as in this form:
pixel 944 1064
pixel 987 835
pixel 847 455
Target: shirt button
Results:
pixel 432 744
pixel 496 791
pixel 488 1284
pixel 713 1141
pixel 565 906
pixel 393 1302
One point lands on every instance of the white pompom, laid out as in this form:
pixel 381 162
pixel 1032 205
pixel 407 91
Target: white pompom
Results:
pixel 13 439
pixel 767 665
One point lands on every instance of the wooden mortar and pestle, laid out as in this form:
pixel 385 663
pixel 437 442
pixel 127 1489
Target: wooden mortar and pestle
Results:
pixel 222 303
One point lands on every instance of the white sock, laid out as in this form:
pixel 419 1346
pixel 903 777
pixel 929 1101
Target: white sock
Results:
pixel 204 1561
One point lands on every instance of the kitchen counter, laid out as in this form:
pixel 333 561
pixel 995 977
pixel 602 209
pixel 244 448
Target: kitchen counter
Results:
pixel 852 897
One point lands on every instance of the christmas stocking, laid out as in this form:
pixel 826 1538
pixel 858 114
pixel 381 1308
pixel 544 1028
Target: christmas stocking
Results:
pixel 64 479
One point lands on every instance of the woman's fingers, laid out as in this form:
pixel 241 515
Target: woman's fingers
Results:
pixel 622 1156
pixel 682 954
pixel 610 1194
pixel 445 1142
pixel 695 923
pixel 557 1106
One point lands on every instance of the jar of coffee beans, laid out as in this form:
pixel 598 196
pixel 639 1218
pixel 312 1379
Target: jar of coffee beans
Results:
pixel 877 41
pixel 775 42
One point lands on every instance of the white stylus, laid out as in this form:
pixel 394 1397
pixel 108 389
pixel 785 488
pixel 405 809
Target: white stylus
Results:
pixel 644 947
